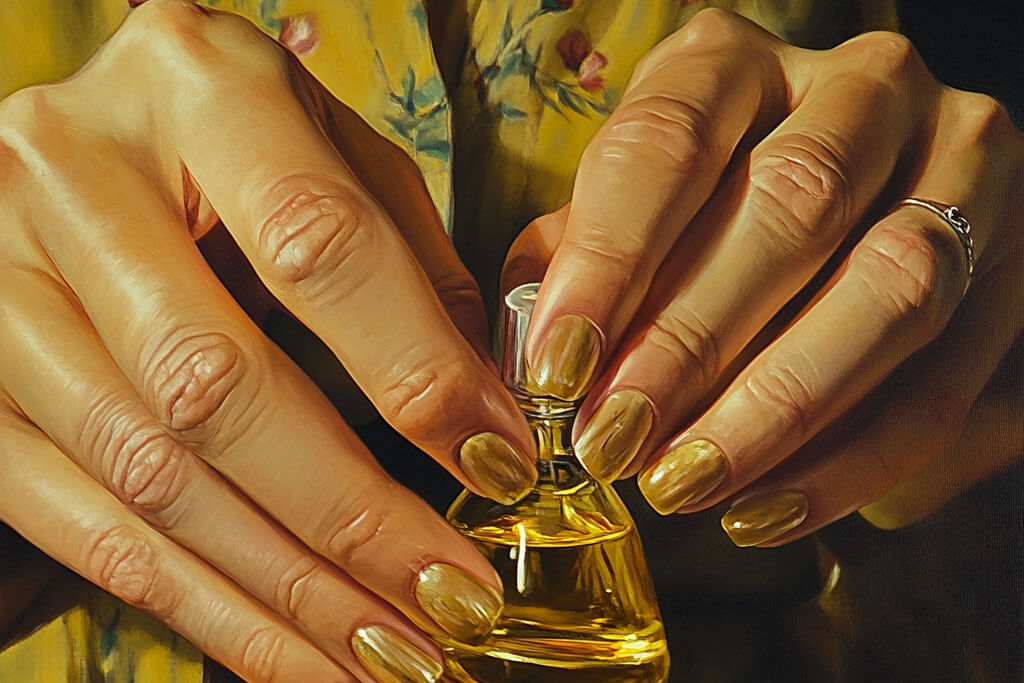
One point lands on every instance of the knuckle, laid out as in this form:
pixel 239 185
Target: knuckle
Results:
pixel 802 188
pixel 354 526
pixel 194 377
pixel 32 131
pixel 457 288
pixel 676 135
pixel 711 25
pixel 122 562
pixel 149 474
pixel 140 464
pixel 295 586
pixel 890 55
pixel 261 654
pixel 193 45
pixel 688 340
pixel 904 268
pixel 981 118
pixel 415 402
pixel 782 392
pixel 166 24
pixel 319 244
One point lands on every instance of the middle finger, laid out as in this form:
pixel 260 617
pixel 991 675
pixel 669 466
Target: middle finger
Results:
pixel 756 244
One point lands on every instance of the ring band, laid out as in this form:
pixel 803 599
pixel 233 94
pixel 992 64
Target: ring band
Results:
pixel 954 219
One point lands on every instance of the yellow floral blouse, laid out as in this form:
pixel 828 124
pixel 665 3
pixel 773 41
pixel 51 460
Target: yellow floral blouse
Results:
pixel 494 100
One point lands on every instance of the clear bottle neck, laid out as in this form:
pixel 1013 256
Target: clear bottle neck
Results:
pixel 551 421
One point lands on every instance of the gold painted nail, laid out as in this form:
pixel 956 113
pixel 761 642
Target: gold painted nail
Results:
pixel 567 357
pixel 460 604
pixel 494 465
pixel 761 519
pixel 390 658
pixel 683 476
pixel 615 433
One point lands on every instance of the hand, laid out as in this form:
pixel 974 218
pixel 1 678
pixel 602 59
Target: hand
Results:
pixel 154 441
pixel 752 327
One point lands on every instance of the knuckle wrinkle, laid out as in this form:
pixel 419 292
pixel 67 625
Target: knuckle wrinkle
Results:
pixel 261 654
pixel 677 134
pixel 690 342
pixel 313 238
pixel 785 394
pixel 122 562
pixel 293 587
pixel 353 527
pixel 194 379
pixel 803 190
pixel 906 268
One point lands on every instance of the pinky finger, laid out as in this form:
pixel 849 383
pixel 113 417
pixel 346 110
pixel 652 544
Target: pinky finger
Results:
pixel 925 423
pixel 60 509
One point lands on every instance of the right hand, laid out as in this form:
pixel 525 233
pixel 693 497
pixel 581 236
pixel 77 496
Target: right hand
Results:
pixel 153 440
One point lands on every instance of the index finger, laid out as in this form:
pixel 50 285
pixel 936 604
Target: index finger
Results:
pixel 640 182
pixel 328 250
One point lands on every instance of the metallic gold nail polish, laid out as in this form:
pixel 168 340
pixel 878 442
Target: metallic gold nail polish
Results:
pixel 683 476
pixel 567 358
pixel 460 604
pixel 494 465
pixel 615 433
pixel 390 658
pixel 761 519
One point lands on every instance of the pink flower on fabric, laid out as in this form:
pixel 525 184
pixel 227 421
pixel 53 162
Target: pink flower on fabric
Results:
pixel 299 33
pixel 577 54
pixel 573 48
pixel 591 79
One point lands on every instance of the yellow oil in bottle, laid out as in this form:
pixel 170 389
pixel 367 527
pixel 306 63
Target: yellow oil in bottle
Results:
pixel 579 602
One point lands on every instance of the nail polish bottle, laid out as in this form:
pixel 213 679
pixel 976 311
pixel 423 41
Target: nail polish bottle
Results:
pixel 579 602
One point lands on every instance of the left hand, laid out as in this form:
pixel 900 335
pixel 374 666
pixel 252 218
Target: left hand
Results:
pixel 741 177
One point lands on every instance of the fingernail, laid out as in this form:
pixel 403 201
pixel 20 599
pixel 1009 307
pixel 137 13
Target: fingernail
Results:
pixel 683 476
pixel 392 659
pixel 615 433
pixel 567 357
pixel 494 465
pixel 459 603
pixel 761 519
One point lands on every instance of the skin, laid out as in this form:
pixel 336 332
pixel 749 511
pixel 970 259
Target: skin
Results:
pixel 174 411
pixel 754 288
pixel 153 439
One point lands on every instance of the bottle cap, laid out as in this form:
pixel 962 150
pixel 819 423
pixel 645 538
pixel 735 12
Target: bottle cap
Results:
pixel 517 311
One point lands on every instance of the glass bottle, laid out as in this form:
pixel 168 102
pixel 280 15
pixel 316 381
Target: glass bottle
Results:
pixel 579 602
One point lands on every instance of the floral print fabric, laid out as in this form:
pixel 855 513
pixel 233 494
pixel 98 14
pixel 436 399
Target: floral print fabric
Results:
pixel 495 107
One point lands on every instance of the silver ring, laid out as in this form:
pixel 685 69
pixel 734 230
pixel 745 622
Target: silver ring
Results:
pixel 954 219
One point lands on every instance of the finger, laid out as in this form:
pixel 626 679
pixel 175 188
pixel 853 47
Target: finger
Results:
pixel 325 247
pixel 641 180
pixel 55 505
pixel 929 424
pixel 203 370
pixel 395 181
pixel 528 257
pixel 898 288
pixel 894 293
pixel 751 251
pixel 115 439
